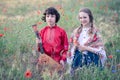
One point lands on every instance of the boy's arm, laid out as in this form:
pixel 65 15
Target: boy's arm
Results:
pixel 65 44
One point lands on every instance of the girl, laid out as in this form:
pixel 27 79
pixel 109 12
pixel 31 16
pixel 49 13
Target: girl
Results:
pixel 86 45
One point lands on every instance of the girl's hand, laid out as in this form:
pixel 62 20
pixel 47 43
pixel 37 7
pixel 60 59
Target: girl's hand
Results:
pixel 82 48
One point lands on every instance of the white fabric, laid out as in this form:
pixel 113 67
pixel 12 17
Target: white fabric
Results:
pixel 84 38
pixel 70 59
pixel 103 58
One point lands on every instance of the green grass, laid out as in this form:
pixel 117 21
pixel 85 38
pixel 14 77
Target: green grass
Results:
pixel 17 46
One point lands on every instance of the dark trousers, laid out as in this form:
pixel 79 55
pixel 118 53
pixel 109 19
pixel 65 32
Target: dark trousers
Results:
pixel 81 59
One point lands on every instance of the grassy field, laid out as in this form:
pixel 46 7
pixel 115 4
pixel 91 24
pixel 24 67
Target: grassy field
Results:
pixel 17 39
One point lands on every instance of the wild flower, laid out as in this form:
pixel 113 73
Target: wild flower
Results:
pixel 38 12
pixel 1 35
pixel 28 74
pixel 4 10
pixel 5 29
pixel 110 56
pixel 39 23
pixel 59 7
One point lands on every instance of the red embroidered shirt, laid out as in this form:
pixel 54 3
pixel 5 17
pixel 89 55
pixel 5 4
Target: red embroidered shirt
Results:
pixel 55 42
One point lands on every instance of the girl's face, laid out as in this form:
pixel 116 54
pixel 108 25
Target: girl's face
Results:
pixel 50 19
pixel 84 19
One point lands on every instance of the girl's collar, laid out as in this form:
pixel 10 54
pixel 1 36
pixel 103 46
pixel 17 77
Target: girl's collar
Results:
pixel 86 28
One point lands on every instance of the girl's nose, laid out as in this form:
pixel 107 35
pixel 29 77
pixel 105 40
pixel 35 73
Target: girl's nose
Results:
pixel 81 19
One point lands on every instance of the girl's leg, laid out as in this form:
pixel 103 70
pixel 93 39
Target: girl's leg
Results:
pixel 91 58
pixel 77 60
pixel 88 58
pixel 96 59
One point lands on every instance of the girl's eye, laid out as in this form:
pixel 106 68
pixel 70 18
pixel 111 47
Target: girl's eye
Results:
pixel 84 17
pixel 80 17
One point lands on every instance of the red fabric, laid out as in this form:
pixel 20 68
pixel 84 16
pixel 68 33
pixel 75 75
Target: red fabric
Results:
pixel 95 38
pixel 55 41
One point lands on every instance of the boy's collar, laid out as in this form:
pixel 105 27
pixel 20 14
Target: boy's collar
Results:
pixel 52 26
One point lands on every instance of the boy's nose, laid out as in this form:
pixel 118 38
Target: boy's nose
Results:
pixel 49 18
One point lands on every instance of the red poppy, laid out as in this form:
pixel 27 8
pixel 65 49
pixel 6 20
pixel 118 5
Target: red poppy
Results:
pixel 1 35
pixel 6 29
pixel 4 10
pixel 110 56
pixel 38 12
pixel 59 7
pixel 94 4
pixel 28 74
pixel 39 23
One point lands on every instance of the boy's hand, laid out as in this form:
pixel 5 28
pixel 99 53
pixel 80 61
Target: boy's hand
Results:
pixel 37 40
pixel 62 63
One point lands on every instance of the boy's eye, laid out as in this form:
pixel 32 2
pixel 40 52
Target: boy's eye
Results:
pixel 47 15
pixel 52 15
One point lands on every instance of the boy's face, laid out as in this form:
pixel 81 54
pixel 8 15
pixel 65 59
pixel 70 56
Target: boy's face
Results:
pixel 51 19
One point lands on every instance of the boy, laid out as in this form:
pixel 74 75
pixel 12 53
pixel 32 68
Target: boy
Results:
pixel 54 38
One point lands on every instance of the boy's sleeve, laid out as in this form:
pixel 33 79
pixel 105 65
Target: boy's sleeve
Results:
pixel 40 34
pixel 38 47
pixel 65 43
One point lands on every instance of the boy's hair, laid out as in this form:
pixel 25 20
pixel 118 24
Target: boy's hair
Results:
pixel 52 11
